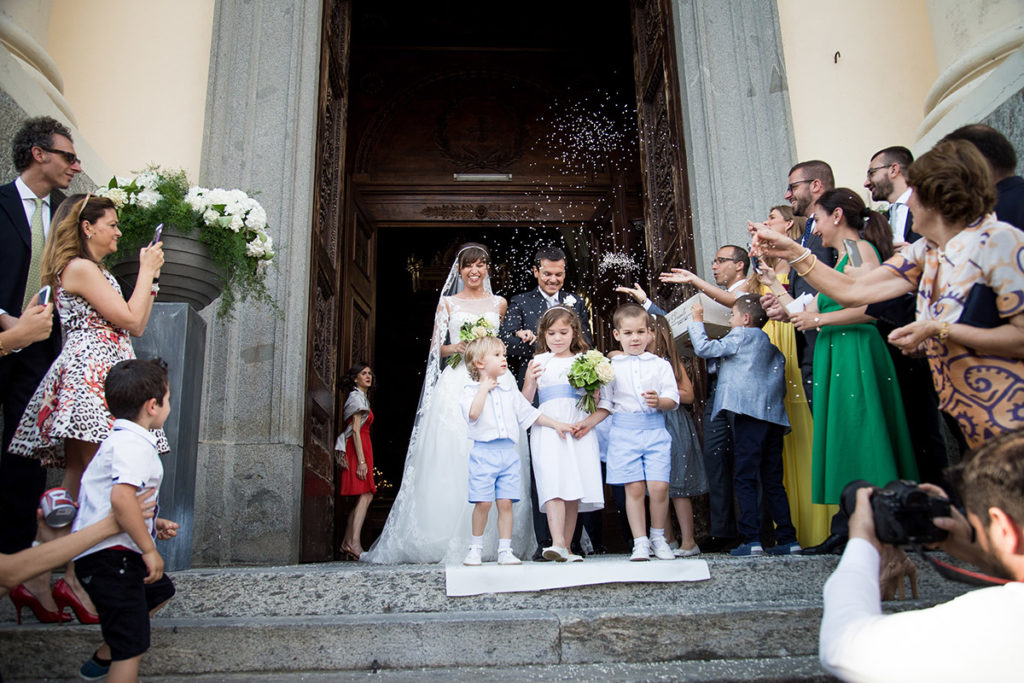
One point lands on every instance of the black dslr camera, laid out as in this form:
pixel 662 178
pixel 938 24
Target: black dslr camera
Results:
pixel 902 512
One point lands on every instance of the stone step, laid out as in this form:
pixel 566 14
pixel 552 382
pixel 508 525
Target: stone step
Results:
pixel 346 616
pixel 716 671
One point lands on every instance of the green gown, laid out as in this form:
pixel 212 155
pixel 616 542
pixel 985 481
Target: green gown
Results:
pixel 860 429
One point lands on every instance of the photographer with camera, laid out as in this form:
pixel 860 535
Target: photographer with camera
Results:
pixel 976 636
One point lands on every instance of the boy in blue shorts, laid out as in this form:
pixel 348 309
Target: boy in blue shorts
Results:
pixel 124 574
pixel 496 412
pixel 639 445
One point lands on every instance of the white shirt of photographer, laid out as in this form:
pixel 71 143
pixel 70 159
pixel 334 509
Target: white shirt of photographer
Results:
pixel 127 456
pixel 975 637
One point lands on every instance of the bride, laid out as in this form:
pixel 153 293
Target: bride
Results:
pixel 430 520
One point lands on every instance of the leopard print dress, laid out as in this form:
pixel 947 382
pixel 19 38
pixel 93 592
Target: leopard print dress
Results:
pixel 69 402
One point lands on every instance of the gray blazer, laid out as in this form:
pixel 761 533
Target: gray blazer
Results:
pixel 751 373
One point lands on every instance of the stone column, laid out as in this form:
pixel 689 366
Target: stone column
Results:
pixel 737 121
pixel 31 85
pixel 979 51
pixel 260 135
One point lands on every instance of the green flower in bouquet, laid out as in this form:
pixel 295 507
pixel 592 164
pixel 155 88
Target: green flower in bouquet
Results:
pixel 470 330
pixel 590 371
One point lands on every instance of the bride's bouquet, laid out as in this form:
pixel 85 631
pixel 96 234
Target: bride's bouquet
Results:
pixel 590 371
pixel 470 330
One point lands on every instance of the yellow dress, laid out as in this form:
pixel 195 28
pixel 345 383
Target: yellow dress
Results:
pixel 811 521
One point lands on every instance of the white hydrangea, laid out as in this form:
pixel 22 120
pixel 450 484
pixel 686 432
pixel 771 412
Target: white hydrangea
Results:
pixel 236 224
pixel 211 217
pixel 147 180
pixel 147 199
pixel 114 194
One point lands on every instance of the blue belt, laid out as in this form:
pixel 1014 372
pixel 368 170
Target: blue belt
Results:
pixel 557 391
pixel 638 420
pixel 495 444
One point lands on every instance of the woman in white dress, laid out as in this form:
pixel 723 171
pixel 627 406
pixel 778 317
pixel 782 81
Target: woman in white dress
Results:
pixel 430 520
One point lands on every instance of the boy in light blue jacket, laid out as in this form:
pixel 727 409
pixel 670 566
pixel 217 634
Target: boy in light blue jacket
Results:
pixel 752 390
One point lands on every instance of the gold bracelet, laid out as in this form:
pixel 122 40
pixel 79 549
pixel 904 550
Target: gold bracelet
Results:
pixel 944 332
pixel 806 272
pixel 801 257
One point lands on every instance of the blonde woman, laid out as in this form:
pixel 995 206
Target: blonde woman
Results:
pixel 67 417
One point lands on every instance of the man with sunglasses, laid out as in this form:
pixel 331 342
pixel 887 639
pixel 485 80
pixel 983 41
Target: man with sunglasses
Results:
pixel 975 637
pixel 45 159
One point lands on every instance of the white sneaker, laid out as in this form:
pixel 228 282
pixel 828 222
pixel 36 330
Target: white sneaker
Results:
pixel 555 553
pixel 506 556
pixel 661 549
pixel 641 552
pixel 688 552
pixel 573 557
pixel 474 557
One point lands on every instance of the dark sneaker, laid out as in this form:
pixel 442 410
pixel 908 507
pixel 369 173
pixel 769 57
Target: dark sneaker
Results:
pixel 752 549
pixel 93 670
pixel 785 549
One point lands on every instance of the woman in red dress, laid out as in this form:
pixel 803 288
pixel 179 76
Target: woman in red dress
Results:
pixel 354 454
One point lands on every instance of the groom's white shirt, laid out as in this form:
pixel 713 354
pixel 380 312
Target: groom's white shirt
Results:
pixel 551 300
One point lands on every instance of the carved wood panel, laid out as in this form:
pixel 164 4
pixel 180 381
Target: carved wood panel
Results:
pixel 318 487
pixel 668 230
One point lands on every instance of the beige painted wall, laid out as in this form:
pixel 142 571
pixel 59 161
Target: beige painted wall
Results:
pixel 135 75
pixel 873 97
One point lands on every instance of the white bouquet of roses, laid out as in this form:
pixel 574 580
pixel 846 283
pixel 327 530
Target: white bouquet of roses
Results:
pixel 590 371
pixel 470 330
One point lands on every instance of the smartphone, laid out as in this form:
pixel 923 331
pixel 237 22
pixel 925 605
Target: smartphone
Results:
pixel 853 251
pixel 157 233
pixel 44 295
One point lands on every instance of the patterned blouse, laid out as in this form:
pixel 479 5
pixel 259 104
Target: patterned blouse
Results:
pixel 984 393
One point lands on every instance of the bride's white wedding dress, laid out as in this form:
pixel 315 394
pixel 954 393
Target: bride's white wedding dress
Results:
pixel 430 520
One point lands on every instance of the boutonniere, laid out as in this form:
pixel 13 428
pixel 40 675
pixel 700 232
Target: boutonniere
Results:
pixel 569 300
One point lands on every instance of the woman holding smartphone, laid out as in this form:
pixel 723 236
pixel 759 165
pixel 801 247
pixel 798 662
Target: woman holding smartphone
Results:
pixel 67 417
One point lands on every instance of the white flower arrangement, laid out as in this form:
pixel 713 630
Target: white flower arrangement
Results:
pixel 231 224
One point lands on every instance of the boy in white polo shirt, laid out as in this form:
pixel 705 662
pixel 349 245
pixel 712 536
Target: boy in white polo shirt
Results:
pixel 123 575
pixel 496 412
pixel 639 445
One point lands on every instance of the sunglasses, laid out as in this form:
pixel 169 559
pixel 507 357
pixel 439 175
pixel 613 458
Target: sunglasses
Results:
pixel 721 259
pixel 68 156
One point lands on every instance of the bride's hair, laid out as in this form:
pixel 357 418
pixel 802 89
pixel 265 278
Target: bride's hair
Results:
pixel 471 252
pixel 566 314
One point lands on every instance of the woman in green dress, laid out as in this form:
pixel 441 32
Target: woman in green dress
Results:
pixel 860 430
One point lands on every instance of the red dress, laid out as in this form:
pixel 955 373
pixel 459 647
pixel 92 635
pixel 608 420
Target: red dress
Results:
pixel 351 485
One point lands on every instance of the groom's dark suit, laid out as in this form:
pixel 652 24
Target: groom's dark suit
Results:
pixel 524 312
pixel 22 480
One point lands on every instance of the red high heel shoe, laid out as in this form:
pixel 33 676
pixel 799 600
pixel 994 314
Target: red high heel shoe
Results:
pixel 22 598
pixel 65 597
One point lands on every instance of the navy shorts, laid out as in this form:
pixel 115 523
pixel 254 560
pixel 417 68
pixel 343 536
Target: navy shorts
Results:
pixel 113 578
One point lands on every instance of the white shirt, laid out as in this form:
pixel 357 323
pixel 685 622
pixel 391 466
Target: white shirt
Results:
pixel 506 412
pixel 28 202
pixel 552 300
pixel 900 211
pixel 127 456
pixel 635 375
pixel 975 637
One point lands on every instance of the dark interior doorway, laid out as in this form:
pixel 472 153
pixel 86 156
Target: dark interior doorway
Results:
pixel 541 92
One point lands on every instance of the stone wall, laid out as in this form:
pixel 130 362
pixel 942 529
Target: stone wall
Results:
pixel 260 135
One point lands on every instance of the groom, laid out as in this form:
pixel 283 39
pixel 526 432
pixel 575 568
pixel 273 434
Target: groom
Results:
pixel 519 332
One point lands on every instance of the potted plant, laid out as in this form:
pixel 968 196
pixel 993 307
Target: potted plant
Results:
pixel 215 240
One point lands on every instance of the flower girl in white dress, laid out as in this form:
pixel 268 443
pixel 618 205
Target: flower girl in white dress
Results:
pixel 430 519
pixel 568 471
